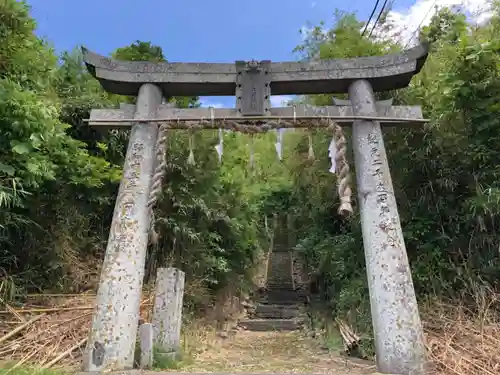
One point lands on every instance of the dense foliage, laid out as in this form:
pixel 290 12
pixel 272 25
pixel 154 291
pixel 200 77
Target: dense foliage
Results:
pixel 58 177
pixel 445 174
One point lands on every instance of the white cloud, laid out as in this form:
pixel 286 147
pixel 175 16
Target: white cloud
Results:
pixel 280 100
pixel 406 22
pixel 206 103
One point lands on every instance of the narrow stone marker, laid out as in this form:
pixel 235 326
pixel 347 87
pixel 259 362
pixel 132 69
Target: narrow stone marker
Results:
pixel 167 310
pixel 146 345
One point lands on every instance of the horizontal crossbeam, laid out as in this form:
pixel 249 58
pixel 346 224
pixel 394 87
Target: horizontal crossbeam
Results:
pixel 300 116
pixel 387 72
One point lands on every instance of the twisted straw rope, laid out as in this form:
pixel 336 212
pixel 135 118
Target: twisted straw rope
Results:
pixel 342 167
pixel 251 126
pixel 159 174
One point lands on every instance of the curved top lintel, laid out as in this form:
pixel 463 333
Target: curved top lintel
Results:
pixel 386 72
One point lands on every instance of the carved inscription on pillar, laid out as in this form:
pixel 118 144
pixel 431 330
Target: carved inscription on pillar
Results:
pixel 108 63
pixel 124 229
pixel 386 223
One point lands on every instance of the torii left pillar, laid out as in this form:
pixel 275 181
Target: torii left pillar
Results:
pixel 112 338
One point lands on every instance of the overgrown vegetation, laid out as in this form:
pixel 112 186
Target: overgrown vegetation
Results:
pixel 27 370
pixel 59 178
pixel 445 175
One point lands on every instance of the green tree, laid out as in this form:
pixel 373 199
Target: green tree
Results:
pixel 42 168
pixel 446 25
pixel 145 51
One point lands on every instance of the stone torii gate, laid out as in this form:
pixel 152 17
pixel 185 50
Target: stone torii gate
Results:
pixel 396 322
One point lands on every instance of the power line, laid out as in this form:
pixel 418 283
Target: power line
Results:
pixel 420 24
pixel 378 18
pixel 369 19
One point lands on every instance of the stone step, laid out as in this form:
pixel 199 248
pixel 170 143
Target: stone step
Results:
pixel 282 285
pixel 280 290
pixel 282 250
pixel 272 303
pixel 280 296
pixel 277 306
pixel 262 325
pixel 276 311
pixel 278 281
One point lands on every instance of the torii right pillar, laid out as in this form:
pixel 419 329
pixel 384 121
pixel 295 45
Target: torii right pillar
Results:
pixel 399 341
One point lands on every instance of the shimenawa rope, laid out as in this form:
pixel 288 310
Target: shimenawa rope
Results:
pixel 159 174
pixel 342 169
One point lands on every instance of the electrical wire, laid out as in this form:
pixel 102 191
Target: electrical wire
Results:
pixel 420 24
pixel 370 18
pixel 378 18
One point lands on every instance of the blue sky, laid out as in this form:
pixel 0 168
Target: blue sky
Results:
pixel 190 30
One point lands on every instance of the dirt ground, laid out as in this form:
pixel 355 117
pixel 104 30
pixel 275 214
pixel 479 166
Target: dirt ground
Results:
pixel 273 352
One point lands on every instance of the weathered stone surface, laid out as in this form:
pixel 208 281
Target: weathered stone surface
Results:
pixel 165 112
pixel 276 311
pixel 342 102
pixel 387 72
pixel 285 286
pixel 398 335
pixel 299 275
pixel 282 297
pixel 260 277
pixel 253 88
pixel 280 270
pixel 269 324
pixel 167 310
pixel 111 343
pixel 146 345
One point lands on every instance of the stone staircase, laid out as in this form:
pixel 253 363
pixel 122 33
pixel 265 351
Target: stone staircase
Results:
pixel 278 307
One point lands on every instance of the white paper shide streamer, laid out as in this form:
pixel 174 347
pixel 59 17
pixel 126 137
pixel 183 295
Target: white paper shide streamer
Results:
pixel 332 151
pixel 310 155
pixel 279 143
pixel 190 159
pixel 219 147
